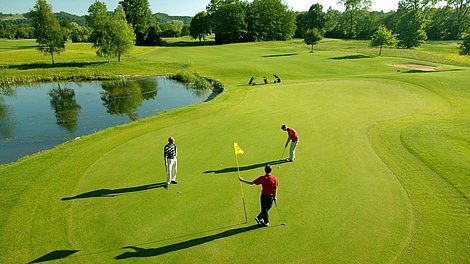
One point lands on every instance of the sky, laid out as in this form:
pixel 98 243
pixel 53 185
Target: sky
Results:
pixel 171 7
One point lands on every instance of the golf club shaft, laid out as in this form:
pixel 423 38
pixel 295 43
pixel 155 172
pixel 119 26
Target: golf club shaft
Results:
pixel 284 151
pixel 279 212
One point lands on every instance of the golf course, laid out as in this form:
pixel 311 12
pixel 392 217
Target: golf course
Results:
pixel 382 173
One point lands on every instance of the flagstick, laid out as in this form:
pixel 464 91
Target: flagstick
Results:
pixel 241 188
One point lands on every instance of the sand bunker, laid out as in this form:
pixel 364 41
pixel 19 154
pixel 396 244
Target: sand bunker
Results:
pixel 416 67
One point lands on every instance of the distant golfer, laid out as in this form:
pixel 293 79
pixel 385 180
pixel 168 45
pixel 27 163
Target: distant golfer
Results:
pixel 268 194
pixel 291 136
pixel 169 155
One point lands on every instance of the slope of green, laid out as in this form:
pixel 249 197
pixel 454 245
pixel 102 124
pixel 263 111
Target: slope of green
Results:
pixel 381 175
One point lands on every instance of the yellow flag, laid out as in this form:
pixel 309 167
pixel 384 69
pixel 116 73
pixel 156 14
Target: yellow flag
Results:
pixel 237 149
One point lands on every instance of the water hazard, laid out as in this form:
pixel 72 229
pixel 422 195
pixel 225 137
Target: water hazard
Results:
pixel 39 117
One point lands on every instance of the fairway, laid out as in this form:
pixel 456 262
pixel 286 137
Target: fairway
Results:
pixel 382 172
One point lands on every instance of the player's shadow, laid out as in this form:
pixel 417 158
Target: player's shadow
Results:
pixel 152 252
pixel 115 192
pixel 245 168
pixel 352 57
pixel 55 255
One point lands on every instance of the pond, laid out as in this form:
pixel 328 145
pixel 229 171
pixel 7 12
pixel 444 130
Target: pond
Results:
pixel 39 117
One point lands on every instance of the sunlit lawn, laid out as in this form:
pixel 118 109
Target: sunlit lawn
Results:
pixel 381 176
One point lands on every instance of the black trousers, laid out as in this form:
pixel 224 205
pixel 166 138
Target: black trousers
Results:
pixel 266 204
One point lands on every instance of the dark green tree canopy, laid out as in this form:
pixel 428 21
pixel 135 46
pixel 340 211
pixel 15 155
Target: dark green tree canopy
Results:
pixel 410 28
pixel 138 14
pixel 200 26
pixel 270 20
pixel 315 17
pixel 352 13
pixel 262 20
pixel 461 19
pixel 228 21
pixel 464 47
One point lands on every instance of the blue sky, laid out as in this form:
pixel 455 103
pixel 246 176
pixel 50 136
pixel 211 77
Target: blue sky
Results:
pixel 171 7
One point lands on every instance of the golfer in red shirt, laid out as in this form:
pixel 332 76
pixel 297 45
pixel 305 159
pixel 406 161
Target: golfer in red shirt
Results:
pixel 268 194
pixel 291 136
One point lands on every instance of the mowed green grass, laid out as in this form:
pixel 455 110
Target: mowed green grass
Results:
pixel 382 173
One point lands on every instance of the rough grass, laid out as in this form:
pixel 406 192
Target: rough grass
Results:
pixel 381 175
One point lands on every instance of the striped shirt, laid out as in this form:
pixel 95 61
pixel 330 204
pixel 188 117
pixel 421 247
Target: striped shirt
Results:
pixel 169 151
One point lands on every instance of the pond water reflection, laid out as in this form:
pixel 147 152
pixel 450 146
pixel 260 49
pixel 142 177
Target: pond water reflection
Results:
pixel 34 118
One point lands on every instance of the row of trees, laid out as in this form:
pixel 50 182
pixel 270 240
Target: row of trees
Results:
pixel 414 21
pixel 445 23
pixel 110 34
pixel 407 27
pixel 236 21
pixel 113 34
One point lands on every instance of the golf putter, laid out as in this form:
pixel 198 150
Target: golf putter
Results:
pixel 279 212
pixel 284 151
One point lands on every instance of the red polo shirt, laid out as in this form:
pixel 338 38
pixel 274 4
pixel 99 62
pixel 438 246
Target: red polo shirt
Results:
pixel 269 183
pixel 292 134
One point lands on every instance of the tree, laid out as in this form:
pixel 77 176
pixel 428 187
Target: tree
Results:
pixel 312 37
pixel 138 14
pixel 462 9
pixel 410 28
pixel 333 23
pixel 315 17
pixel 153 36
pixel 47 31
pixel 270 20
pixel 300 22
pixel 100 22
pixel 200 26
pixel 383 38
pixel 185 30
pixel 79 33
pixel 464 47
pixel 123 36
pixel 171 29
pixel 228 21
pixel 416 4
pixel 352 12
pixel 111 35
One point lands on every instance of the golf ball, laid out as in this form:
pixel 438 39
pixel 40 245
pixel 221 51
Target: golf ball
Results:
pixel 179 191
pixel 278 166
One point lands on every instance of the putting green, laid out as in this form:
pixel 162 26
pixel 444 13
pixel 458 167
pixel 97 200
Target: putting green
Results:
pixel 381 173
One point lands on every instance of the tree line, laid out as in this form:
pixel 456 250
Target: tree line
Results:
pixel 235 20
pixel 131 23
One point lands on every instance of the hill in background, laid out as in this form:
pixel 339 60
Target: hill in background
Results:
pixel 81 20
pixel 162 18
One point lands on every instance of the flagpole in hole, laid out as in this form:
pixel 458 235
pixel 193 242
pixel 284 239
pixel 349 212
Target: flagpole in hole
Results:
pixel 238 150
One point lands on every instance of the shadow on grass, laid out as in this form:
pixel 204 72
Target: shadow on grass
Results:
pixel 424 71
pixel 280 55
pixel 249 167
pixel 115 192
pixel 189 43
pixel 152 252
pixel 18 47
pixel 55 255
pixel 32 66
pixel 351 57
